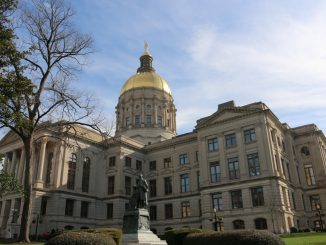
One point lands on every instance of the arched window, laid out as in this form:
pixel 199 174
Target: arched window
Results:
pixel 305 151
pixel 49 168
pixel 261 224
pixel 238 224
pixel 71 171
pixel 86 173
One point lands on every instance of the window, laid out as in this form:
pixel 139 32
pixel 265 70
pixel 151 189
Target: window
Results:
pixel 137 120
pixel 44 203
pixel 198 179
pixel 71 171
pixel 152 188
pixel 236 198
pixel 109 210
pixel 86 173
pixel 283 146
pixel 234 172
pixel 49 168
pixel 260 224
pixel 305 151
pixel 215 172
pixel 128 162
pixel 148 120
pixel 167 162
pixel 111 185
pixel 288 171
pixel 139 165
pixel 69 211
pixel 197 156
pixel 257 196
pixel 128 185
pixel 168 211
pixel 184 179
pixel 253 164
pixel 230 140
pixel 183 159
pixel 212 144
pixel 310 177
pixel 159 121
pixel 293 201
pixel 16 210
pixel 185 209
pixel 84 209
pixel 168 185
pixel 152 165
pixel 152 212
pixel 238 224
pixel 127 122
pixel 111 161
pixel 249 135
pixel 315 202
pixel 217 201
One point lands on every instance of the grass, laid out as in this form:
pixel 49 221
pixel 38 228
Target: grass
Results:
pixel 6 241
pixel 305 239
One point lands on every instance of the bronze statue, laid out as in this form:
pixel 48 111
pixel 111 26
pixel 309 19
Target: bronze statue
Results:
pixel 139 196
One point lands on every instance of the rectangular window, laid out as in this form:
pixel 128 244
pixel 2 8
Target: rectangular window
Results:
pixel 111 161
pixel 183 159
pixel 230 140
pixel 249 135
pixel 152 165
pixel 44 203
pixel 137 120
pixel 293 201
pixel 71 171
pixel 84 209
pixel 128 185
pixel 148 120
pixel 168 185
pixel 128 162
pixel 185 209
pixel 168 211
pixel 198 179
pixel 310 177
pixel 236 199
pixel 315 202
pixel 152 188
pixel 16 210
pixel 184 179
pixel 109 210
pixel 288 170
pixel 152 212
pixel 69 210
pixel 257 196
pixel 167 162
pixel 139 165
pixel 111 185
pixel 217 201
pixel 215 172
pixel 234 172
pixel 127 121
pixel 212 144
pixel 253 164
pixel 159 121
pixel 283 146
pixel 197 156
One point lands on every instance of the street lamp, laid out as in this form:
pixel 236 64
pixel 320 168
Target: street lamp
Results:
pixel 217 220
pixel 320 215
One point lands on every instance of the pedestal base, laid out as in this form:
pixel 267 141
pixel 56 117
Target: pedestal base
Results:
pixel 142 238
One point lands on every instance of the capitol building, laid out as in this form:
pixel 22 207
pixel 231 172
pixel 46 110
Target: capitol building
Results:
pixel 240 168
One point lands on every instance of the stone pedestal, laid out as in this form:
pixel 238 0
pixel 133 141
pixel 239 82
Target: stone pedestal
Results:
pixel 136 229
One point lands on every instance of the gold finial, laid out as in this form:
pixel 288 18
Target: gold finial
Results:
pixel 145 47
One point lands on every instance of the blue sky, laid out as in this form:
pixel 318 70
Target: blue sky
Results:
pixel 211 52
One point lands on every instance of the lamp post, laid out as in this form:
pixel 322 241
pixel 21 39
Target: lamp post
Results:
pixel 215 219
pixel 320 215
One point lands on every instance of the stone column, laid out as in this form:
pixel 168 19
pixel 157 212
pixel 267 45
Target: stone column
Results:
pixel 155 114
pixel 5 163
pixel 39 180
pixel 13 162
pixel 142 113
pixel 21 166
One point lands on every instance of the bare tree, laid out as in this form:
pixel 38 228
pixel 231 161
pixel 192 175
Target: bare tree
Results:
pixel 55 52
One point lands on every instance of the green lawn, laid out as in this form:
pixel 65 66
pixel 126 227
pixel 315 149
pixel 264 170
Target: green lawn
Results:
pixel 305 239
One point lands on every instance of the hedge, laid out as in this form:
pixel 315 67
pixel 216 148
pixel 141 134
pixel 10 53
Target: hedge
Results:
pixel 244 237
pixel 176 236
pixel 81 238
pixel 116 234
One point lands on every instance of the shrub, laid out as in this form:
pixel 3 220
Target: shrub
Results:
pixel 116 234
pixel 175 236
pixel 307 230
pixel 293 229
pixel 245 237
pixel 81 238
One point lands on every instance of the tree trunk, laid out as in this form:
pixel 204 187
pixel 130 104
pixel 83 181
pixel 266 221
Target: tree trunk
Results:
pixel 28 189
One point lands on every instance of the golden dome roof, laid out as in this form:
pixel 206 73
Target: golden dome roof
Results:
pixel 148 79
pixel 146 76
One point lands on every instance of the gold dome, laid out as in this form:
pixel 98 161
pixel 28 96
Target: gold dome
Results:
pixel 148 79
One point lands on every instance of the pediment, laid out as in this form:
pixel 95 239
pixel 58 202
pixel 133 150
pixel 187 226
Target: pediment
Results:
pixel 223 115
pixel 10 137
